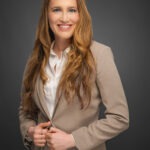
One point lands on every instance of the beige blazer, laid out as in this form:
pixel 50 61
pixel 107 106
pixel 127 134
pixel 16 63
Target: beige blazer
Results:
pixel 89 131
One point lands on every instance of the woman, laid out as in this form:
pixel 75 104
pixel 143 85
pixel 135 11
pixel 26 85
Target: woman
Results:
pixel 66 79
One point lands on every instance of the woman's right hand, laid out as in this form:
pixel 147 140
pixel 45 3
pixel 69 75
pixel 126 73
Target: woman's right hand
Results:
pixel 38 133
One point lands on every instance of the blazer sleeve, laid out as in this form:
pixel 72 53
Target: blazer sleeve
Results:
pixel 25 121
pixel 112 94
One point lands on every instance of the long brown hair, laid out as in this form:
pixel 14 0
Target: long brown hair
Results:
pixel 79 67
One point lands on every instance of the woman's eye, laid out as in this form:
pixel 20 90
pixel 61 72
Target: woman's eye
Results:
pixel 56 10
pixel 72 10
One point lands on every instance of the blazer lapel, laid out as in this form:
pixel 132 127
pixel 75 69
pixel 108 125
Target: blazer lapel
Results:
pixel 40 100
pixel 56 104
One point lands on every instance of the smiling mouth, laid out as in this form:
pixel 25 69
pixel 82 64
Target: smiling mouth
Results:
pixel 64 27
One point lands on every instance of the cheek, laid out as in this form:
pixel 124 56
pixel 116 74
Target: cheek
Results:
pixel 51 19
pixel 76 18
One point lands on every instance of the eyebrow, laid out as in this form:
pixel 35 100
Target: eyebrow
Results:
pixel 61 7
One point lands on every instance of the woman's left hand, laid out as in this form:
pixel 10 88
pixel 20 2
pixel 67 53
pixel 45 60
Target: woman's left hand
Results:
pixel 59 140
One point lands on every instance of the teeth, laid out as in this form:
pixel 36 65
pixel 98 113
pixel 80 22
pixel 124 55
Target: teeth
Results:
pixel 64 26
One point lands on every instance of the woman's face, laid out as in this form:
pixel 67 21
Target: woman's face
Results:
pixel 63 17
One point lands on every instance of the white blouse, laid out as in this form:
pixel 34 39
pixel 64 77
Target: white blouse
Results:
pixel 53 70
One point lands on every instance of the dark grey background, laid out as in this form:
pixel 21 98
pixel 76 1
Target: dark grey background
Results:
pixel 123 25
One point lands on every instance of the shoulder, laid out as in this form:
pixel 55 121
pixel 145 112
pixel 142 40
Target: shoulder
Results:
pixel 100 50
pixel 98 46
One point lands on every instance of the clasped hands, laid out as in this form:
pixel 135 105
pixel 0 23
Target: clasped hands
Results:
pixel 55 138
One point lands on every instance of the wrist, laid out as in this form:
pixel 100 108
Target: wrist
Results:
pixel 72 141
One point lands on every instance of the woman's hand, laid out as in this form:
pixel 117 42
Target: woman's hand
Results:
pixel 59 140
pixel 38 133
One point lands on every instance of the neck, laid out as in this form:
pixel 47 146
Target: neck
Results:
pixel 60 45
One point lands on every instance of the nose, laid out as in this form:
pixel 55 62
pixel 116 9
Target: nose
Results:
pixel 64 17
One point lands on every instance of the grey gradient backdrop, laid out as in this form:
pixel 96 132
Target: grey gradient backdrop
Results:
pixel 123 25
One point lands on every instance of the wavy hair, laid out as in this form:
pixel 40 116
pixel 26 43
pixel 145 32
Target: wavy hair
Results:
pixel 79 67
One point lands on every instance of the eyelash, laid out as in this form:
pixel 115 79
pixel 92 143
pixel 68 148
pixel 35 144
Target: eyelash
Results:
pixel 70 10
pixel 56 10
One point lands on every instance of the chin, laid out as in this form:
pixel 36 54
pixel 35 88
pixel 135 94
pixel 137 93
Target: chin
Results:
pixel 65 37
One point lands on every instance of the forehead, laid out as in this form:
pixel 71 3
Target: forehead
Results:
pixel 63 3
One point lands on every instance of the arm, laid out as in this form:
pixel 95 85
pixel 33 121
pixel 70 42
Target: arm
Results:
pixel 25 123
pixel 116 115
pixel 25 119
pixel 31 131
